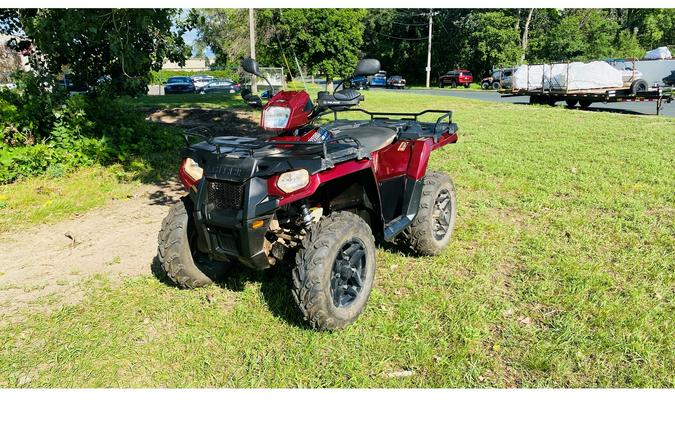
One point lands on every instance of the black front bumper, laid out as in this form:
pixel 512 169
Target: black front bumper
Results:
pixel 224 222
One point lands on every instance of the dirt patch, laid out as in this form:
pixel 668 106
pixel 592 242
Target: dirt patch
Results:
pixel 219 122
pixel 41 267
pixel 45 262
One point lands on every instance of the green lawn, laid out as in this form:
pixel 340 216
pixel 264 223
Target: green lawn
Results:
pixel 561 273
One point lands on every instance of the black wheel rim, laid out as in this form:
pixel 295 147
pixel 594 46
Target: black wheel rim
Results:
pixel 441 214
pixel 348 274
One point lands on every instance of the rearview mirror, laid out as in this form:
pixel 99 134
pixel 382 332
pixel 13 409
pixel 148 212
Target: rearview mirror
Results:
pixel 367 67
pixel 251 66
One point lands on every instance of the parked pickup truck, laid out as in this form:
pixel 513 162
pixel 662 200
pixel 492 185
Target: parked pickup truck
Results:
pixel 456 77
pixel 500 79
pixel 379 79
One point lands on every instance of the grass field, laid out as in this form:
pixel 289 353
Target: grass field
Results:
pixel 561 273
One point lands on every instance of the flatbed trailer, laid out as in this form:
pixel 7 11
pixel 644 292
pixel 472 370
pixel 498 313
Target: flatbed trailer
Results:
pixel 660 95
pixel 551 90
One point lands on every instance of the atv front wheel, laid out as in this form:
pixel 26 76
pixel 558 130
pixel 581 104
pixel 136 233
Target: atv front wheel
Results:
pixel 177 250
pixel 432 227
pixel 335 269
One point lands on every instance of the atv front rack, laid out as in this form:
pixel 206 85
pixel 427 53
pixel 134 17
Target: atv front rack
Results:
pixel 331 151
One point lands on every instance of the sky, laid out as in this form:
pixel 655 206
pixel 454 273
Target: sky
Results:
pixel 192 35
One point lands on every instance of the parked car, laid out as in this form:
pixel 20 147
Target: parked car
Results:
pixel 201 80
pixel 179 85
pixel 500 79
pixel 357 82
pixel 379 79
pixel 670 79
pixel 456 77
pixel 396 82
pixel 223 86
pixel 72 85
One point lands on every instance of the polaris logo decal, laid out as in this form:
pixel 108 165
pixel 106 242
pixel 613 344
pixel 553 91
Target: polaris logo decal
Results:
pixel 225 170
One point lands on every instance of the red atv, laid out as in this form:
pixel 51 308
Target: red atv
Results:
pixel 318 194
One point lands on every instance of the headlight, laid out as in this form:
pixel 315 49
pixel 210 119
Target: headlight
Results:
pixel 293 180
pixel 276 117
pixel 192 169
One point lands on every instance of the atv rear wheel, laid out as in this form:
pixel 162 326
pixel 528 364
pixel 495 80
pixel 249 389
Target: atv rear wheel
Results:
pixel 177 250
pixel 335 269
pixel 432 227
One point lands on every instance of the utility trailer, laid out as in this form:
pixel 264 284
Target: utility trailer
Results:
pixel 552 89
pixel 659 95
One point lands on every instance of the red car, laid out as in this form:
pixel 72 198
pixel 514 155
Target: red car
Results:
pixel 456 77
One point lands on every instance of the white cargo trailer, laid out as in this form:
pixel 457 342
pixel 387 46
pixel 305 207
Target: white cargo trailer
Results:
pixel 653 71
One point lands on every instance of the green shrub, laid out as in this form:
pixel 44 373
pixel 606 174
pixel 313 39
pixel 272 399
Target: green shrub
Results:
pixel 71 132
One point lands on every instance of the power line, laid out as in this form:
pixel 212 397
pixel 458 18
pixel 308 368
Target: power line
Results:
pixel 443 25
pixel 411 14
pixel 400 38
pixel 410 24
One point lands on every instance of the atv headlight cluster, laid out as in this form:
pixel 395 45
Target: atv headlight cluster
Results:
pixel 193 169
pixel 275 117
pixel 293 180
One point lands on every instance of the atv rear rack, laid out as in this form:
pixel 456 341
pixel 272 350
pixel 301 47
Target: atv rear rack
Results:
pixel 381 115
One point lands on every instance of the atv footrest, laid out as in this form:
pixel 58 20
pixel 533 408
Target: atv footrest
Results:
pixel 395 227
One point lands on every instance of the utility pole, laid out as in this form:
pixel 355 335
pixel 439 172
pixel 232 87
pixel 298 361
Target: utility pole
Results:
pixel 251 30
pixel 431 22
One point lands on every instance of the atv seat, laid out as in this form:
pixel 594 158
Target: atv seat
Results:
pixel 371 138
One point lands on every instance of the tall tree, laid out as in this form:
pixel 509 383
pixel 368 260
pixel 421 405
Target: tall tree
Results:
pixel 327 41
pixel 226 33
pixel 525 38
pixel 122 45
pixel 493 40
pixel 398 38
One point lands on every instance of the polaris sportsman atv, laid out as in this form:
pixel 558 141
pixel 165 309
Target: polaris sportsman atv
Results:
pixel 315 194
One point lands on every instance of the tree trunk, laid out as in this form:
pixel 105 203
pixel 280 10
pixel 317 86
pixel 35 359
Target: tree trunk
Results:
pixel 517 24
pixel 526 29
